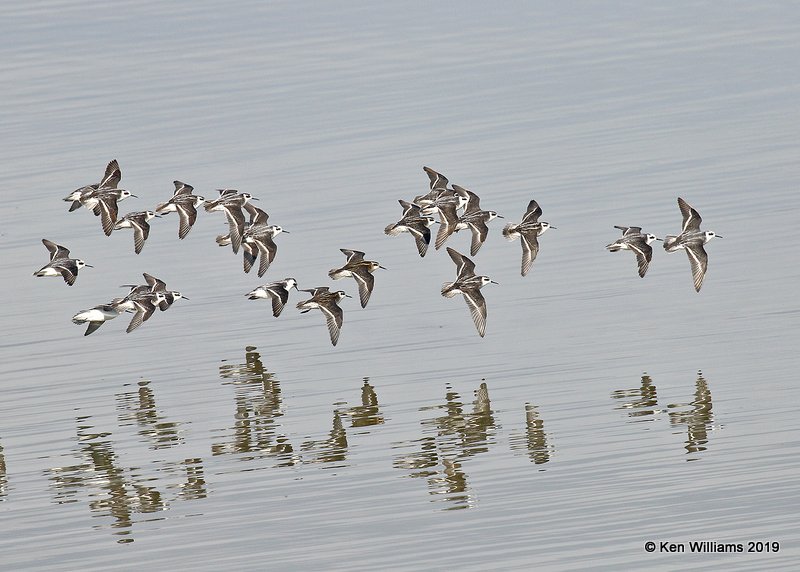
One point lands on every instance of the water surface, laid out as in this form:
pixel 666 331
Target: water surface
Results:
pixel 600 411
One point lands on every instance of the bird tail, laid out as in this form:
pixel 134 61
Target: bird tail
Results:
pixel 447 289
pixel 510 232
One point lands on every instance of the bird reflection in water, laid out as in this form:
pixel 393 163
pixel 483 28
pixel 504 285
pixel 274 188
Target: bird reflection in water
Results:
pixel 698 420
pixel 333 449
pixel 112 489
pixel 368 413
pixel 3 476
pixel 330 450
pixel 535 440
pixel 642 403
pixel 449 440
pixel 140 407
pixel 257 409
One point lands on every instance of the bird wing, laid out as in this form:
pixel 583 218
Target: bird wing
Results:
pixel 352 255
pixel 235 218
pixel 182 188
pixel 56 250
pixel 480 231
pixel 68 268
pixel 644 254
pixel 691 218
pixel 530 248
pixel 107 203
pixel 533 212
pixel 366 282
pixel 334 318
pixel 699 262
pixel 477 307
pixel 438 181
pixel 111 177
pixel 249 255
pixel 92 327
pixel 188 215
pixel 464 266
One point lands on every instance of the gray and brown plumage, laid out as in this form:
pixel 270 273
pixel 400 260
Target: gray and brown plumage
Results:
pixel 278 292
pixel 691 239
pixel 139 222
pixel 414 223
pixel 96 317
pixel 143 300
pixel 258 240
pixel 60 263
pixel 468 284
pixel 231 201
pixel 110 180
pixel 361 270
pixel 636 241
pixel 185 203
pixel 328 303
pixel 473 218
pixel 528 231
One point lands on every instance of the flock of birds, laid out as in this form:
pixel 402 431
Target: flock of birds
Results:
pixel 457 209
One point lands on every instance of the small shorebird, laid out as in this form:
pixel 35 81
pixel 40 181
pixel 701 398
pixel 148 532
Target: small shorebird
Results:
pixel 359 269
pixel 231 201
pixel 278 292
pixel 469 285
pixel 528 231
pixel 636 241
pixel 138 221
pixel 110 180
pixel 60 263
pixel 474 218
pixel 326 301
pixel 185 203
pixel 414 223
pixel 96 316
pixel 691 239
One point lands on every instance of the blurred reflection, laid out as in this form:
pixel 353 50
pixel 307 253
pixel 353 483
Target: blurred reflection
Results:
pixel 330 450
pixel 450 439
pixel 641 401
pixel 111 489
pixel 334 448
pixel 367 413
pixel 257 407
pixel 534 440
pixel 140 407
pixel 3 477
pixel 698 420
pixel 194 485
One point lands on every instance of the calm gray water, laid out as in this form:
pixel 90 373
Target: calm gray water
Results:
pixel 601 411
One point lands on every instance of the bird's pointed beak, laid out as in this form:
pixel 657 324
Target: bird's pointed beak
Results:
pixel 500 216
pixel 493 282
pixel 286 232
pixel 254 198
pixel 134 196
pixel 184 298
pixel 718 236
pixel 88 265
pixel 347 296
pixel 379 266
pixel 554 228
pixel 659 239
